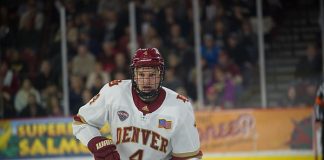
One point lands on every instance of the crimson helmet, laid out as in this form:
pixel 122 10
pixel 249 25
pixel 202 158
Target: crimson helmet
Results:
pixel 147 57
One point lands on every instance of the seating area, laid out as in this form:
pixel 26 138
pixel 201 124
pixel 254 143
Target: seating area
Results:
pixel 298 30
pixel 98 51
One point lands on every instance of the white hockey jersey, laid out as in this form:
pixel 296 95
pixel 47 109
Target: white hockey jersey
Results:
pixel 169 130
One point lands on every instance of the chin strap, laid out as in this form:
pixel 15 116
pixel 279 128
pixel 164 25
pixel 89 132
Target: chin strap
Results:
pixel 147 97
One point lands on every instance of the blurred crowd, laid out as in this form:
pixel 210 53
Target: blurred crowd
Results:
pixel 98 36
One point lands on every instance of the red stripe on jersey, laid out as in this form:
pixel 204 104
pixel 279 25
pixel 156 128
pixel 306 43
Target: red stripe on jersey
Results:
pixel 78 118
pixel 153 106
pixel 198 155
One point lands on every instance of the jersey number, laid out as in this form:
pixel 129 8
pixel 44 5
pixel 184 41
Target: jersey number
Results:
pixel 114 82
pixel 94 98
pixel 182 98
pixel 138 155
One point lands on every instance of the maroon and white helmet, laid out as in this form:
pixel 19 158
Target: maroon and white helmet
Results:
pixel 147 57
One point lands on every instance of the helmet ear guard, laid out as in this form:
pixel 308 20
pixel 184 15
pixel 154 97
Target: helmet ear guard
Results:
pixel 149 57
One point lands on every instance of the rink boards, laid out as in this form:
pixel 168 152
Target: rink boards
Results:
pixel 256 134
pixel 269 155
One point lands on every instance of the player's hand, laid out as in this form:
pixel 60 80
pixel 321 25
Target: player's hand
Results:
pixel 103 148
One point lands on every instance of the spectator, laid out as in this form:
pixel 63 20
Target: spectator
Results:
pixel 174 36
pixel 31 15
pixel 220 33
pixel 119 75
pixel 123 42
pixel 98 71
pixel 30 24
pixel 16 63
pixel 233 72
pixel 121 64
pixel 7 109
pixel 72 33
pixel 249 41
pixel 31 58
pixel 149 34
pixel 54 107
pixel 91 43
pixel 236 18
pixel 186 60
pixel 290 99
pixel 173 60
pixel 224 86
pixel 237 52
pixel 33 109
pixel 171 80
pixel 211 9
pixel 98 83
pixel 107 55
pixel 167 17
pixel 104 5
pixel 228 66
pixel 309 92
pixel 212 100
pixel 45 76
pixel 9 79
pixel 148 20
pixel 83 63
pixel 111 23
pixel 309 66
pixel 75 93
pixel 21 98
pixel 51 90
pixel 157 42
pixel 210 50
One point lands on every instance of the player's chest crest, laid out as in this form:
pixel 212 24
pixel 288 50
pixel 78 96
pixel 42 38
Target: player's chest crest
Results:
pixel 122 115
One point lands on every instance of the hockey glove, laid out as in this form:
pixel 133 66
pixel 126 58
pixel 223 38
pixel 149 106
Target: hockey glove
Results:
pixel 103 148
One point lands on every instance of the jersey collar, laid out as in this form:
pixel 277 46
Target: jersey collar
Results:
pixel 146 107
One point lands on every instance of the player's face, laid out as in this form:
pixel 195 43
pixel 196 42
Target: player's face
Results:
pixel 147 78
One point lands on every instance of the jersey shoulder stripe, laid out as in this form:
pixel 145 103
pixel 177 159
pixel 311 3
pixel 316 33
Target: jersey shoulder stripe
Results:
pixel 174 99
pixel 116 86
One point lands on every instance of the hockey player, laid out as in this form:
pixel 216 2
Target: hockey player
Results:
pixel 147 121
pixel 319 114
